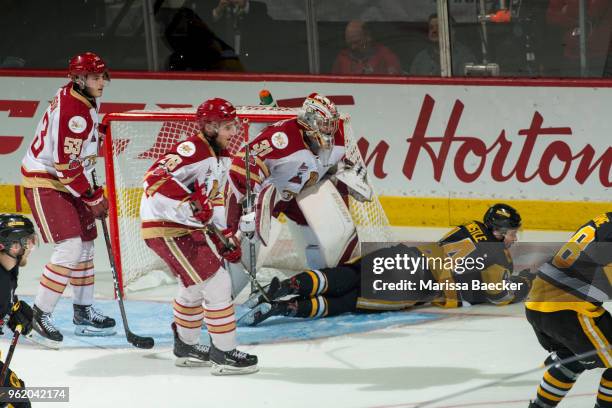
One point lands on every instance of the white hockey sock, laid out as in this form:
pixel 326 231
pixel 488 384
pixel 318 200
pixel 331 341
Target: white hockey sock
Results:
pixel 219 311
pixel 52 284
pixel 188 321
pixel 189 313
pixel 82 282
pixel 64 260
pixel 82 279
pixel 221 325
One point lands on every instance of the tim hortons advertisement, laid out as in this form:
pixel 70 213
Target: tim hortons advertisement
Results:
pixel 447 140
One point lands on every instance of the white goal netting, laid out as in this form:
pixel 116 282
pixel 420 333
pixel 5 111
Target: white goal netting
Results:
pixel 136 139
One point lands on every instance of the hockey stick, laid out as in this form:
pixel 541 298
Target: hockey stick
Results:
pixel 248 209
pixel 227 244
pixel 568 360
pixel 9 356
pixel 133 339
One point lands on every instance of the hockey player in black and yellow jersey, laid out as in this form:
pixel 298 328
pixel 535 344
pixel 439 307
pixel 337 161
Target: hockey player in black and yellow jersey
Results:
pixel 17 239
pixel 565 310
pixel 332 291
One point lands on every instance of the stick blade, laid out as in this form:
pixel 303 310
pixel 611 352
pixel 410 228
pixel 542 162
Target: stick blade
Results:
pixel 140 342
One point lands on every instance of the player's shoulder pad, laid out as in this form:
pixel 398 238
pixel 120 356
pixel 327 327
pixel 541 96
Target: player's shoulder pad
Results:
pixel 194 148
pixel 603 227
pixel 74 115
pixel 279 140
pixel 72 100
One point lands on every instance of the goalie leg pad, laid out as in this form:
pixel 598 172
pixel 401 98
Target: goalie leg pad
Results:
pixel 266 200
pixel 330 220
pixel 238 276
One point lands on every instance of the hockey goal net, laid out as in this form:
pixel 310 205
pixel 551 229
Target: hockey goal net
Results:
pixel 136 139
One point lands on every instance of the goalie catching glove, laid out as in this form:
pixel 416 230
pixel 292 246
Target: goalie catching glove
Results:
pixel 200 205
pixel 355 177
pixel 96 202
pixel 228 246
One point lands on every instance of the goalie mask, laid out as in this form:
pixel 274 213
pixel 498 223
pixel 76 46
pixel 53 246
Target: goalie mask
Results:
pixel 320 118
pixel 15 228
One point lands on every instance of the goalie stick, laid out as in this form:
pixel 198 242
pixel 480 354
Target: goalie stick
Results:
pixel 577 357
pixel 247 209
pixel 133 339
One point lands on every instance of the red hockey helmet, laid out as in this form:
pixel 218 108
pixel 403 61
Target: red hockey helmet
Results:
pixel 215 110
pixel 87 63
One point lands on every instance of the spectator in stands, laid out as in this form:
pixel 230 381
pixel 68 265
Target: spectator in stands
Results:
pixel 244 25
pixel 363 55
pixel 427 61
pixel 564 14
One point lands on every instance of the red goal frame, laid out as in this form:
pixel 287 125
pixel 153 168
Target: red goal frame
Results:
pixel 246 114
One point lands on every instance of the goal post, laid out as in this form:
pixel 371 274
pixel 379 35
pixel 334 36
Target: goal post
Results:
pixel 135 139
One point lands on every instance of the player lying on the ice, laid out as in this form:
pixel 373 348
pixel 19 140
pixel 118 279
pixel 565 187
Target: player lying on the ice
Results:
pixel 332 291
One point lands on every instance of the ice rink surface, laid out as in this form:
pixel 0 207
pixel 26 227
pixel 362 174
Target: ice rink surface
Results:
pixel 395 360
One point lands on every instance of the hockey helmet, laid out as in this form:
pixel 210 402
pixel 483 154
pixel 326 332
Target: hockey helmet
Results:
pixel 216 111
pixel 502 217
pixel 15 228
pixel 87 63
pixel 320 118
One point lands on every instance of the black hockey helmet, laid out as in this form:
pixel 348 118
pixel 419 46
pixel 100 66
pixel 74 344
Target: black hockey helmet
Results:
pixel 14 228
pixel 502 216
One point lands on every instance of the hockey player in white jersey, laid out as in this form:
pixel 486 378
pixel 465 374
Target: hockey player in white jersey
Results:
pixel 63 202
pixel 182 199
pixel 289 162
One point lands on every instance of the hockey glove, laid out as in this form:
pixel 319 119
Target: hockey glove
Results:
pixel 230 249
pixel 524 279
pixel 355 178
pixel 21 314
pixel 96 202
pixel 527 275
pixel 200 205
pixel 247 223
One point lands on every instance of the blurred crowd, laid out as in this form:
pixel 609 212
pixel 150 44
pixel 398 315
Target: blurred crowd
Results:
pixel 538 39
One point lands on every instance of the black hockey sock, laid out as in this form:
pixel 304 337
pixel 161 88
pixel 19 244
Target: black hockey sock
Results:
pixel 312 307
pixel 305 284
pixel 555 384
pixel 604 394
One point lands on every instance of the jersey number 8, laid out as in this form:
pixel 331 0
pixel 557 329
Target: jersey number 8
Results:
pixel 568 254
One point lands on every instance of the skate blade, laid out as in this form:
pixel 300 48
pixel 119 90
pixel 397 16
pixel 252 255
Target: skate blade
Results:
pixel 191 362
pixel 36 338
pixel 218 369
pixel 90 331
